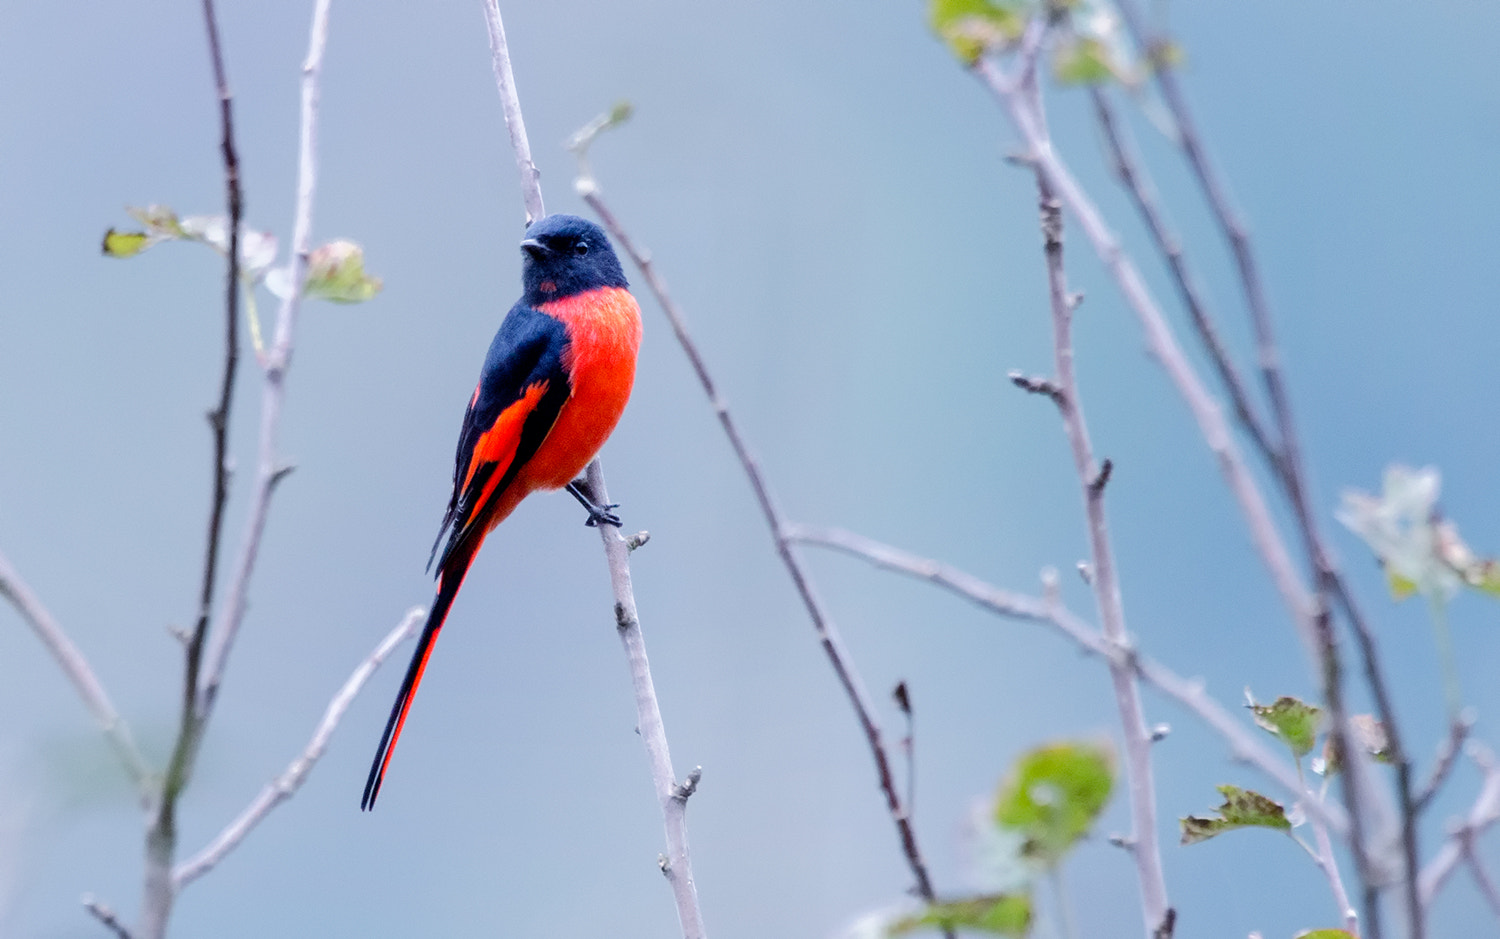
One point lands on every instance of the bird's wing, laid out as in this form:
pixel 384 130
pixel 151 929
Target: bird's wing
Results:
pixel 521 390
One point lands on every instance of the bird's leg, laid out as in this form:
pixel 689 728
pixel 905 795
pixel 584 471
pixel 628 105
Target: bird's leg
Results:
pixel 598 514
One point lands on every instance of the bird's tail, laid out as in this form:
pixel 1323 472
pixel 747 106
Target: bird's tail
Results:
pixel 448 583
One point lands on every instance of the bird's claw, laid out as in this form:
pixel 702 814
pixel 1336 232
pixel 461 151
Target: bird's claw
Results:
pixel 601 515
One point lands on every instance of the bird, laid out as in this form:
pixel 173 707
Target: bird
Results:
pixel 552 388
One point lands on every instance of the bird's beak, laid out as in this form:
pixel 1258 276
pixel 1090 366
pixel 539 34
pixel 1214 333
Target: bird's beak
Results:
pixel 535 248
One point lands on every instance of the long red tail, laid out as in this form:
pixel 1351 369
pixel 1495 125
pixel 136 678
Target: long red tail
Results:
pixel 448 583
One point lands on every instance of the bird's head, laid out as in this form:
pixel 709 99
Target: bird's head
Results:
pixel 565 255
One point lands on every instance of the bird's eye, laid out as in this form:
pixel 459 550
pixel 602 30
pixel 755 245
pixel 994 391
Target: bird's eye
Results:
pixel 581 248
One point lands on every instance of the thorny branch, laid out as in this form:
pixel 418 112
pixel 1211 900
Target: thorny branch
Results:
pixel 828 635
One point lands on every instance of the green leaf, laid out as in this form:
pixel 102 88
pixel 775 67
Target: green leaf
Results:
pixel 1295 721
pixel 1325 934
pixel 1082 61
pixel 1400 587
pixel 1053 795
pixel 973 27
pixel 126 244
pixel 336 271
pixel 1242 808
pixel 1005 914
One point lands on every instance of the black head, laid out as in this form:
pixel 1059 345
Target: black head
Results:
pixel 565 255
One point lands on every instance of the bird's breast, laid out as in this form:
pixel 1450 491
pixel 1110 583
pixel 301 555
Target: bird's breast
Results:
pixel 604 334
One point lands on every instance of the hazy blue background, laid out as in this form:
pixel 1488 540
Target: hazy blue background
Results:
pixel 824 190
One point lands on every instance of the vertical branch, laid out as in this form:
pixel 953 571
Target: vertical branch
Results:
pixel 1308 612
pixel 1092 478
pixel 1286 461
pixel 676 864
pixel 531 178
pixel 161 833
pixel 828 636
pixel 269 469
pixel 204 677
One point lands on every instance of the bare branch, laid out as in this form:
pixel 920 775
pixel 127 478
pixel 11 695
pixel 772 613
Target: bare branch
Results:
pixel 1286 462
pixel 161 834
pixel 1309 611
pixel 827 633
pixel 79 672
pixel 1484 813
pixel 1164 347
pixel 1245 744
pixel 286 785
pixel 218 418
pixel 1138 185
pixel 1447 756
pixel 106 916
pixel 269 468
pixel 531 182
pixel 677 863
pixel 1146 850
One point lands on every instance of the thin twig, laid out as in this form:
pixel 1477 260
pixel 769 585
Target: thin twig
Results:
pixel 161 831
pixel 677 864
pixel 531 184
pixel 1142 193
pixel 285 786
pixel 1164 347
pixel 79 672
pixel 1447 756
pixel 1245 744
pixel 827 633
pixel 1327 861
pixel 218 418
pixel 1146 850
pixel 107 916
pixel 1287 463
pixel 1484 813
pixel 1309 614
pixel 161 836
pixel 269 468
pixel 1481 876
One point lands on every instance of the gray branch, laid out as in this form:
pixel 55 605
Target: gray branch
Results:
pixel 676 865
pixel 285 786
pixel 161 835
pixel 827 633
pixel 1484 813
pixel 531 178
pixel 1245 744
pixel 71 660
pixel 1146 850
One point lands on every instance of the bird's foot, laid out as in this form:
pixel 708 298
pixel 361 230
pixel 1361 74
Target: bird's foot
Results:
pixel 598 514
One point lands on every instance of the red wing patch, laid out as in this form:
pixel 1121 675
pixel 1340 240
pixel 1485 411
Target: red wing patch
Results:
pixel 498 445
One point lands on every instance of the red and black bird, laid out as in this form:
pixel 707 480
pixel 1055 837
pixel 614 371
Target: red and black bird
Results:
pixel 552 388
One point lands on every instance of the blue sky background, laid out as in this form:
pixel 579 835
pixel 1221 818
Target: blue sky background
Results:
pixel 824 190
